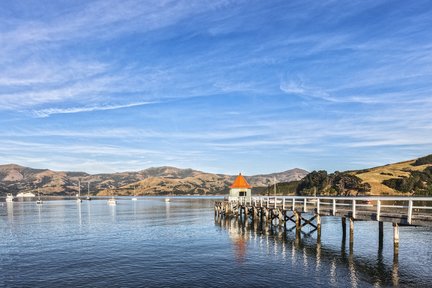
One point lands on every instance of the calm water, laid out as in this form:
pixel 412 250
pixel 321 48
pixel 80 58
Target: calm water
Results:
pixel 150 243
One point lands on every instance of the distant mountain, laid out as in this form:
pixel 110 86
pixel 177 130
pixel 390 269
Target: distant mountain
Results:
pixel 151 181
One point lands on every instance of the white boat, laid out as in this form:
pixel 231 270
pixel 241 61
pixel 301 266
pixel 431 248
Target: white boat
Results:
pixel 167 199
pixel 134 198
pixel 9 197
pixel 39 201
pixel 25 194
pixel 78 200
pixel 88 192
pixel 112 201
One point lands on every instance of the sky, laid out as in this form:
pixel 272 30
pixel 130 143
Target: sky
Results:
pixel 218 86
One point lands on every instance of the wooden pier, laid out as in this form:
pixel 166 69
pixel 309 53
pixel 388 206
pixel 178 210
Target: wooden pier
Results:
pixel 307 211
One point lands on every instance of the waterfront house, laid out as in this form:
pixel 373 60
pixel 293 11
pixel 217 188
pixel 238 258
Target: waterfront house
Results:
pixel 240 189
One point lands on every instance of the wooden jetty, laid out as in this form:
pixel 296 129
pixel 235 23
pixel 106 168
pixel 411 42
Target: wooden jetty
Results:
pixel 307 211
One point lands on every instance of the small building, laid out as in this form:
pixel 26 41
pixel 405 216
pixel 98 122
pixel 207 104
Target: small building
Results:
pixel 240 189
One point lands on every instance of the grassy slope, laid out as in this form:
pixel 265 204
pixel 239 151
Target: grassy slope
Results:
pixel 376 175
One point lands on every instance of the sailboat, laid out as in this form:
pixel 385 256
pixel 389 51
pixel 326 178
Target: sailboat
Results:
pixel 79 192
pixel 39 201
pixel 9 197
pixel 272 201
pixel 88 192
pixel 134 198
pixel 167 199
pixel 112 201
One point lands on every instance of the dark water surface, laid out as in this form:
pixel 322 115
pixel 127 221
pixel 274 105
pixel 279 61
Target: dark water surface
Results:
pixel 150 243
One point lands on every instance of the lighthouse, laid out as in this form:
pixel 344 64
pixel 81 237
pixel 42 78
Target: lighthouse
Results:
pixel 240 189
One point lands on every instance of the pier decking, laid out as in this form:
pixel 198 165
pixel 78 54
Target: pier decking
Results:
pixel 304 211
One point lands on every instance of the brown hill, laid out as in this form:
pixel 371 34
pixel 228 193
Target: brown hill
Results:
pixel 377 177
pixel 413 177
pixel 151 181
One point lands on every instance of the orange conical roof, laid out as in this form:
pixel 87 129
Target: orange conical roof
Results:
pixel 240 182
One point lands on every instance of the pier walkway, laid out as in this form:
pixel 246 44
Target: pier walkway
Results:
pixel 308 210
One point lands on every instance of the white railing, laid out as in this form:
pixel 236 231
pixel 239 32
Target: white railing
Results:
pixel 375 204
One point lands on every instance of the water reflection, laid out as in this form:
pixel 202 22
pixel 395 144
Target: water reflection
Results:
pixel 10 211
pixel 309 252
pixel 89 211
pixel 79 214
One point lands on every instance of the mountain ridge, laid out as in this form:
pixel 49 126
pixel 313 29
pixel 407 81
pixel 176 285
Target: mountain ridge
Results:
pixel 162 180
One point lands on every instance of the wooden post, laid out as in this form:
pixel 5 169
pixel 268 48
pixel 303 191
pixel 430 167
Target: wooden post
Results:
pixel 396 238
pixel 395 270
pixel 283 204
pixel 343 228
pixel 354 208
pixel 410 208
pixel 293 207
pixel 351 243
pixel 298 219
pixel 318 221
pixel 380 235
pixel 297 241
pixel 305 205
pixel 378 210
pixel 318 206
pixel 334 207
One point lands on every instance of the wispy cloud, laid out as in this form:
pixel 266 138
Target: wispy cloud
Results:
pixel 303 83
pixel 298 88
pixel 51 111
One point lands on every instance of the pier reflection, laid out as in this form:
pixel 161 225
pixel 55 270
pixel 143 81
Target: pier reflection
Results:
pixel 307 250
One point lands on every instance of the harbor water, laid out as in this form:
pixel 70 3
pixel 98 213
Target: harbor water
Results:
pixel 153 243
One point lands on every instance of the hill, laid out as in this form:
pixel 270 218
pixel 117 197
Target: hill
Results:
pixel 413 177
pixel 151 181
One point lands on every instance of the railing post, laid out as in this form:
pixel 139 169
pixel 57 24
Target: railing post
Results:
pixel 305 204
pixel 378 210
pixel 261 200
pixel 334 207
pixel 293 208
pixel 318 205
pixel 354 208
pixel 283 204
pixel 410 207
pixel 268 202
pixel 275 203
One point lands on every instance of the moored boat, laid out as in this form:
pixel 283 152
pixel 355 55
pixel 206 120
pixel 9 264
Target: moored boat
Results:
pixel 112 201
pixel 9 197
pixel 25 194
pixel 39 201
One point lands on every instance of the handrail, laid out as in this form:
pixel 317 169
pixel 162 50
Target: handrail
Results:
pixel 354 202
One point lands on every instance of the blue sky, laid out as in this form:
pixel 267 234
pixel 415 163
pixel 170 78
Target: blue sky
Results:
pixel 219 86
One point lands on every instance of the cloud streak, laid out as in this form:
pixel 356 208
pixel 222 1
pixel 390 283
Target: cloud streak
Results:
pixel 43 113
